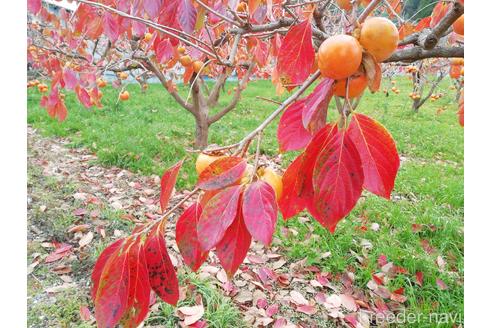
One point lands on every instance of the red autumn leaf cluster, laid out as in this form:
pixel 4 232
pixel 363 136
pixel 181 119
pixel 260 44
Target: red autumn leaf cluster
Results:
pixel 328 177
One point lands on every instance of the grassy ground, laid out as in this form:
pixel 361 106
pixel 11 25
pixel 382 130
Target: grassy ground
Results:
pixel 148 133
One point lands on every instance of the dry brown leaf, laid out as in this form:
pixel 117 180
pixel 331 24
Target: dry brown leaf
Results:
pixel 86 239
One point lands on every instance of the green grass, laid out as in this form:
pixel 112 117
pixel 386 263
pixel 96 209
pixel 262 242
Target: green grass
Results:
pixel 219 311
pixel 149 133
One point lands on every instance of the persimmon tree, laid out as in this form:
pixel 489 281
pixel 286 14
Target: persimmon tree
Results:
pixel 236 199
pixel 426 77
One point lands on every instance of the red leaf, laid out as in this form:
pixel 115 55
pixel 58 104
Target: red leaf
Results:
pixel 260 211
pixel 222 173
pixel 152 7
pixel 168 181
pixel 163 49
pixel 441 284
pixel 187 237
pixel 59 253
pixel 307 309
pixel 291 133
pixel 382 260
pixel 419 277
pixel 217 216
pixel 187 16
pixel 112 293
pixel 70 79
pixel 162 275
pixel 291 202
pixel 378 153
pixel 377 279
pixel 83 96
pixel 34 6
pixel 337 179
pixel 85 313
pixel 139 288
pixel 438 13
pixel 168 14
pixel 111 27
pixel 233 248
pixel 424 23
pixel 316 104
pixel 296 55
pixel 100 263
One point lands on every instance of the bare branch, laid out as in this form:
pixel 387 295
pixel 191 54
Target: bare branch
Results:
pixel 417 53
pixel 157 72
pixel 235 99
pixel 444 24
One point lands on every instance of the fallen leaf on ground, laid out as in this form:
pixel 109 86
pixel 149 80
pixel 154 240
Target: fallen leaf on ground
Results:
pixel 190 314
pixel 297 298
pixel 441 284
pixel 86 239
pixel 307 309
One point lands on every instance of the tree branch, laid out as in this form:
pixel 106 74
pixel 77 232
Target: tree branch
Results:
pixel 235 99
pixel 154 69
pixel 417 53
pixel 431 40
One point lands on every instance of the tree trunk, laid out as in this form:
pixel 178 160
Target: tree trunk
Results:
pixel 416 105
pixel 201 132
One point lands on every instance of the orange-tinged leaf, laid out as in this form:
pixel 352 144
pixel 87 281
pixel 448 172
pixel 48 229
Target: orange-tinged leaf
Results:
pixel 260 211
pixel 296 55
pixel 378 153
pixel 423 23
pixel 291 202
pixel 419 278
pixel 187 237
pixel 222 173
pixel 438 13
pixel 162 275
pixel 337 179
pixel 168 181
pixel 217 216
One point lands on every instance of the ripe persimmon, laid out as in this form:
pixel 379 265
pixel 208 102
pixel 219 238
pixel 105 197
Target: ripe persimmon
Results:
pixel 339 56
pixel 123 75
pixel 203 161
pixel 197 66
pixel 147 37
pixel 181 50
pixel 457 61
pixel 459 25
pixel 268 175
pixel 357 85
pixel 101 83
pixel 125 95
pixel 454 71
pixel 185 60
pixel 379 36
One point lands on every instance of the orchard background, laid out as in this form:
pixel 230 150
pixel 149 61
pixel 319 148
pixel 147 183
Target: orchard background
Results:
pixel 267 120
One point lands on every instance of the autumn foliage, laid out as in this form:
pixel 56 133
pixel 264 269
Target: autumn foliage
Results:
pixel 236 200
